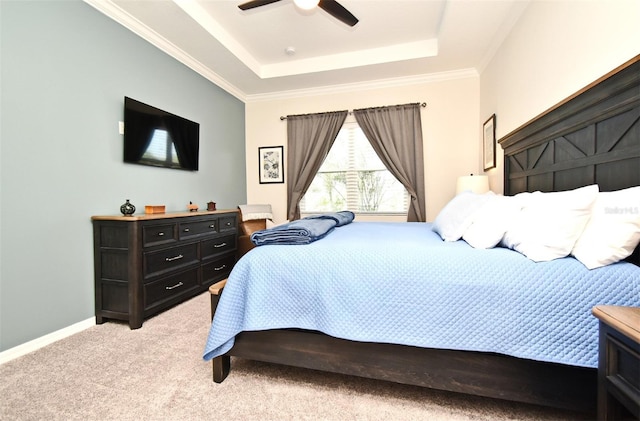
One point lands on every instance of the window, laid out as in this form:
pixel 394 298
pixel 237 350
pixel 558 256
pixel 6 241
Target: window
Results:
pixel 353 177
pixel 161 148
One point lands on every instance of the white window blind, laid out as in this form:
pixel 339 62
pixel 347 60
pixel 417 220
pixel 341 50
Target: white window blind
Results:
pixel 353 177
pixel 161 148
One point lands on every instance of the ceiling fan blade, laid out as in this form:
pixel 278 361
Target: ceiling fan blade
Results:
pixel 255 3
pixel 336 10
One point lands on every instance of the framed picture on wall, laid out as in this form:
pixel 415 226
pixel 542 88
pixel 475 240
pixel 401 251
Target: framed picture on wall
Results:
pixel 489 143
pixel 271 161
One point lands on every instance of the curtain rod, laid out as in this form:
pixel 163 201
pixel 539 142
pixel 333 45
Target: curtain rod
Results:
pixel 423 105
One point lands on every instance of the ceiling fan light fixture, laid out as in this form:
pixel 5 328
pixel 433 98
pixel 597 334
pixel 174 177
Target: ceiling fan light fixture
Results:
pixel 332 7
pixel 306 4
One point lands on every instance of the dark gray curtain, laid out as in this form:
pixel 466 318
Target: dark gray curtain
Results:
pixel 139 132
pixel 185 137
pixel 310 136
pixel 395 134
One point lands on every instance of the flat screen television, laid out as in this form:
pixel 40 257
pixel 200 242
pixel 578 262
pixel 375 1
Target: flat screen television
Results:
pixel 158 138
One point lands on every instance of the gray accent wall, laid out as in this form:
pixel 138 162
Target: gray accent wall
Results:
pixel 65 70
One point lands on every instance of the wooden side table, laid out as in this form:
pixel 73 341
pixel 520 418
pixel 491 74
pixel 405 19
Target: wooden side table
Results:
pixel 618 362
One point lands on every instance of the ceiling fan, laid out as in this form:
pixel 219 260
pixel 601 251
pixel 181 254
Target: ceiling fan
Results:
pixel 332 7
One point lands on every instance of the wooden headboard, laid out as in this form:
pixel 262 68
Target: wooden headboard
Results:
pixel 592 137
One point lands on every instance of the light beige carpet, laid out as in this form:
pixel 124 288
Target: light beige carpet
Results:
pixel 110 372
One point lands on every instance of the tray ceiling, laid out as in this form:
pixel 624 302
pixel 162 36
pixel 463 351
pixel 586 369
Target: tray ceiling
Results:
pixel 278 48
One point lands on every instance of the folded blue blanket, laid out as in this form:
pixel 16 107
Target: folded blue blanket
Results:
pixel 342 217
pixel 301 231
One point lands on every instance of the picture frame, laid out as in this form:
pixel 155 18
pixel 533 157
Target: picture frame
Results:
pixel 271 164
pixel 489 143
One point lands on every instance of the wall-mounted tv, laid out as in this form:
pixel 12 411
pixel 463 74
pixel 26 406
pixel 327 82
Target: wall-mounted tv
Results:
pixel 158 138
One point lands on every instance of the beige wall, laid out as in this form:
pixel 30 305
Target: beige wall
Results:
pixel 449 124
pixel 554 50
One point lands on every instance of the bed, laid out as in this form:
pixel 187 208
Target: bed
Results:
pixel 591 138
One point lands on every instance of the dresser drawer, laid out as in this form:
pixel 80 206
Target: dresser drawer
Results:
pixel 216 246
pixel 197 228
pixel 623 368
pixel 217 269
pixel 228 224
pixel 158 234
pixel 165 289
pixel 165 260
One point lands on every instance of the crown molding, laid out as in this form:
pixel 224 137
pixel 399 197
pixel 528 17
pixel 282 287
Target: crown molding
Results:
pixel 116 13
pixel 113 11
pixel 503 31
pixel 363 86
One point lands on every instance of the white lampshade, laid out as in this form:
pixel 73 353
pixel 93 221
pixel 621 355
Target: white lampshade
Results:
pixel 306 4
pixel 473 183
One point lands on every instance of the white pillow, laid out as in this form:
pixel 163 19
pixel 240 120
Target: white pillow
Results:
pixel 613 231
pixel 548 226
pixel 491 221
pixel 454 219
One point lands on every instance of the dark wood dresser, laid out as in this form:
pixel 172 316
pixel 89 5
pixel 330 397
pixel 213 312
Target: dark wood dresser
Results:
pixel 147 263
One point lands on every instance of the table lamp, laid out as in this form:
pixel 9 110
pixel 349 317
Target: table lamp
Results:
pixel 474 183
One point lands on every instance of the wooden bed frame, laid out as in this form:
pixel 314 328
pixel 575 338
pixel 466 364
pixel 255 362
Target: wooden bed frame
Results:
pixel 592 137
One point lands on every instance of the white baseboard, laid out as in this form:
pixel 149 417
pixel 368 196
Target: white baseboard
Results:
pixel 28 347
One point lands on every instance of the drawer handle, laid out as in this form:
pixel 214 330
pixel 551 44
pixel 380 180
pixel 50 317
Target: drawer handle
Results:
pixel 179 284
pixel 228 224
pixel 171 259
pixel 219 245
pixel 160 234
pixel 220 267
pixel 212 226
pixel 186 230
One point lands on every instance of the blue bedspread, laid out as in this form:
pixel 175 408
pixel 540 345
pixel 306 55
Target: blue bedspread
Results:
pixel 400 283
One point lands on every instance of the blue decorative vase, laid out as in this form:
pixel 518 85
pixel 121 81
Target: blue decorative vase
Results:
pixel 127 208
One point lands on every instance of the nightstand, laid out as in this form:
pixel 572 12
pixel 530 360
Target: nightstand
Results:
pixel 618 362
